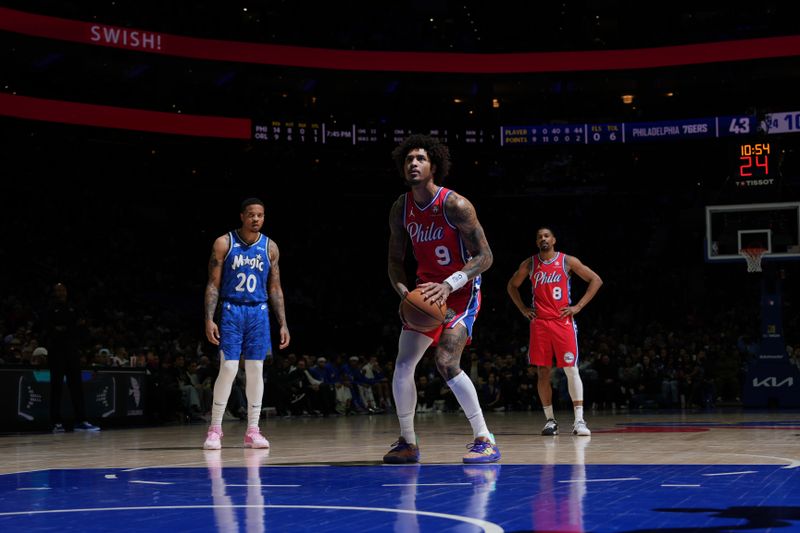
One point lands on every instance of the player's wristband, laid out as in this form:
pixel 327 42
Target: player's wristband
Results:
pixel 457 280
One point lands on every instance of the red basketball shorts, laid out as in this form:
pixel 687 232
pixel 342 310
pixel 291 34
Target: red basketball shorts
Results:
pixel 466 305
pixel 554 338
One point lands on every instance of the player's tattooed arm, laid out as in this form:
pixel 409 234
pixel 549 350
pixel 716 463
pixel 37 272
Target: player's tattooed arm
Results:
pixel 462 214
pixel 398 242
pixel 212 287
pixel 274 283
pixel 212 297
pixel 215 275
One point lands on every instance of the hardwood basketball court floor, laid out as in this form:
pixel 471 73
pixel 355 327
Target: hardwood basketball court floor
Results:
pixel 722 470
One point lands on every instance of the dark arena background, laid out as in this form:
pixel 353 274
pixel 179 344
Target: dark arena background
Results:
pixel 657 142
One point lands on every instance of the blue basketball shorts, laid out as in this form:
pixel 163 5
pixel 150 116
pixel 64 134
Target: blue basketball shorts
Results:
pixel 244 330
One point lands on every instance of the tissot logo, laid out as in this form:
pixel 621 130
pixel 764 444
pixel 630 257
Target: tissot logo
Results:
pixel 773 382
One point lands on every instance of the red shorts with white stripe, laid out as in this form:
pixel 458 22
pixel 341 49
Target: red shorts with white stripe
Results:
pixel 466 307
pixel 554 338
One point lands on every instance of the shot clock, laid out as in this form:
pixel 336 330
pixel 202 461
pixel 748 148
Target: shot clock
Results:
pixel 754 160
pixel 755 165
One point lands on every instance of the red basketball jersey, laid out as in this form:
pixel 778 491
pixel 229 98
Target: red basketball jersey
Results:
pixel 437 243
pixel 550 282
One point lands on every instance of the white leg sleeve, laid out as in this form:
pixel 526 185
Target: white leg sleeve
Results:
pixel 467 397
pixel 411 348
pixel 574 383
pixel 254 389
pixel 222 389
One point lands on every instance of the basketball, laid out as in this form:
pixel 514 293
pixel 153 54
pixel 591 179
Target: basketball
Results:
pixel 420 315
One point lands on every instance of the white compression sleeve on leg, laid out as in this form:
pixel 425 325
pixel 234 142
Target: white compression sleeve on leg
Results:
pixel 222 389
pixel 574 383
pixel 254 389
pixel 411 348
pixel 467 397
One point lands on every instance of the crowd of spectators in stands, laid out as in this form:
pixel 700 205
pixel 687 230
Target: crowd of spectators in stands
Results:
pixel 649 368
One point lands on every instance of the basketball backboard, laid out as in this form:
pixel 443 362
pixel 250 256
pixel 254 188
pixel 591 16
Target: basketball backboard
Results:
pixel 774 227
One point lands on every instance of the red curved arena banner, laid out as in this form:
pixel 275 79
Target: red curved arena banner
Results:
pixel 103 116
pixel 295 56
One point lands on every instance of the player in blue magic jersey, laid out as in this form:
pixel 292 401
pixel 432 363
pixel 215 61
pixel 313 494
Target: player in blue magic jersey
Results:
pixel 243 273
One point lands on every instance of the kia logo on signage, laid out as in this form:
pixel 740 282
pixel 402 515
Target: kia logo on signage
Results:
pixel 773 382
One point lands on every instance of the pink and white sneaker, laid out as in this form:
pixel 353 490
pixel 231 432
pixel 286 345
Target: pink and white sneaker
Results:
pixel 213 438
pixel 254 439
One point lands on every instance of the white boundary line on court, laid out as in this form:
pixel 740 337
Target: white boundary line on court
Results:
pixel 488 527
pixel 257 485
pixel 595 480
pixel 793 463
pixel 731 473
pixel 423 484
pixel 30 471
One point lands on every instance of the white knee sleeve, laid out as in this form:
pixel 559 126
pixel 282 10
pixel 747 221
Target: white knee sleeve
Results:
pixel 467 396
pixel 574 383
pixel 222 389
pixel 254 389
pixel 411 348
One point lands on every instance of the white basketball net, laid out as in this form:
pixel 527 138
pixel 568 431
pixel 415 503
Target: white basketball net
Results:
pixel 753 257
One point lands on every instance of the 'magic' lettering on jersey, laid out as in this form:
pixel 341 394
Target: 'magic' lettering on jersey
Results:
pixel 253 262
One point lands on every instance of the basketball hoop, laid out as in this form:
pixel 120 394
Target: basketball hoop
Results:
pixel 753 257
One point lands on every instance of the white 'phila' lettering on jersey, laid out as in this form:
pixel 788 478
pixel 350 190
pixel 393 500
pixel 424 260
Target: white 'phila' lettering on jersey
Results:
pixel 253 262
pixel 540 278
pixel 420 233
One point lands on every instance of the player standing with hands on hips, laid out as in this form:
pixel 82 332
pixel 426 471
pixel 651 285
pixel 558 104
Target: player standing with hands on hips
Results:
pixel 243 271
pixel 553 328
pixel 451 252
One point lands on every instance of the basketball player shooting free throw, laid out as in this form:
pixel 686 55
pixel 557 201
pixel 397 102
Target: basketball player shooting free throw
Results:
pixel 451 252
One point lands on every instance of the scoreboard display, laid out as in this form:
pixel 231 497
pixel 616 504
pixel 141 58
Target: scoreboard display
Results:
pixel 530 135
pixel 544 134
pixel 334 133
pixel 367 135
pixel 338 134
pixel 626 132
pixel 605 133
pixel 289 131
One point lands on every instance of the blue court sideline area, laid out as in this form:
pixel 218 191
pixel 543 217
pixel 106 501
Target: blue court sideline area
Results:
pixel 507 497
